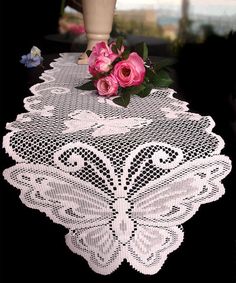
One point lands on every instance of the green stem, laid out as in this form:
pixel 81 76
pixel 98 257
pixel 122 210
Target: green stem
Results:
pixel 63 3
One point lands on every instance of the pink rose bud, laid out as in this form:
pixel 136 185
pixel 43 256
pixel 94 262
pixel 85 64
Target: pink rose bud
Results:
pixel 101 65
pixel 130 72
pixel 101 48
pixel 107 86
pixel 100 59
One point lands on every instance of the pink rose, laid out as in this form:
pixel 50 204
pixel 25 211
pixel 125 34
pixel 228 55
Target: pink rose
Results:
pixel 101 64
pixel 107 86
pixel 130 72
pixel 101 48
pixel 100 59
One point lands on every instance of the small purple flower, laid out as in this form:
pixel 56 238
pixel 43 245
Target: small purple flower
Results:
pixel 31 61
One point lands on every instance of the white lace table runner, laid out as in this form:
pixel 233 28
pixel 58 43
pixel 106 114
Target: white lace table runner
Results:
pixel 122 180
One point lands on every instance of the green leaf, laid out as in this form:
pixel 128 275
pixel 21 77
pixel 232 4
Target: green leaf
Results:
pixel 163 64
pixel 86 86
pixel 151 75
pixel 132 90
pixel 158 79
pixel 114 49
pixel 88 52
pixel 119 42
pixel 162 79
pixel 125 54
pixel 146 91
pixel 142 50
pixel 122 100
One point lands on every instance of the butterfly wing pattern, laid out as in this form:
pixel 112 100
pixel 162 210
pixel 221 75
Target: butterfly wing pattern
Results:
pixel 115 216
pixel 101 126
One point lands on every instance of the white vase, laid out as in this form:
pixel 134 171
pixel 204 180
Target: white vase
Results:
pixel 98 18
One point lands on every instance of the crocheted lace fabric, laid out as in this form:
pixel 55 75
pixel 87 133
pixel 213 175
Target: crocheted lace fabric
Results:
pixel 122 180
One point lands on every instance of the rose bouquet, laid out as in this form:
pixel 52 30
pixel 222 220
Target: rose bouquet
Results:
pixel 116 71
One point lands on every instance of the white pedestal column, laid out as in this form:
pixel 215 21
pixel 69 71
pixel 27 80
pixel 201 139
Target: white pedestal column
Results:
pixel 98 18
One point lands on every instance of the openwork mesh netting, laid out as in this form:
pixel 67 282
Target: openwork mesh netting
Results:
pixel 122 180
